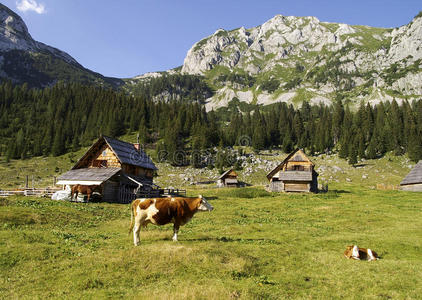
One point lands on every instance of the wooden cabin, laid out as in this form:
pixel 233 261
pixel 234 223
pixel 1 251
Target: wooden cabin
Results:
pixel 413 180
pixel 228 179
pixel 121 170
pixel 294 174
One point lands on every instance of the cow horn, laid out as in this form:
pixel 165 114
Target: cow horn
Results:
pixel 200 196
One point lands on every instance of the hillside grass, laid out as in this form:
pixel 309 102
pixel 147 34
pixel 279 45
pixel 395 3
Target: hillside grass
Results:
pixel 389 170
pixel 254 245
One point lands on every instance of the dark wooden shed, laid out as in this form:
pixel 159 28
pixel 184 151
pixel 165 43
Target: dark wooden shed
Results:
pixel 413 180
pixel 294 174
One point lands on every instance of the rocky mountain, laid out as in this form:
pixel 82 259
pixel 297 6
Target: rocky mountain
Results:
pixel 286 59
pixel 24 60
pixel 293 59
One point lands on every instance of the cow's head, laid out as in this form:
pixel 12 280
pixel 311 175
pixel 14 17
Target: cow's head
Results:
pixel 203 205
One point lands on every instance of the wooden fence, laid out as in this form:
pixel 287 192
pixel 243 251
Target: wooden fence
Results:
pixel 125 195
pixel 46 192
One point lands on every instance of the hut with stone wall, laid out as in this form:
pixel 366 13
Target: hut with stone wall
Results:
pixel 294 174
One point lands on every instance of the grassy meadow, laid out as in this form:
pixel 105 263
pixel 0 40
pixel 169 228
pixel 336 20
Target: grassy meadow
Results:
pixel 254 245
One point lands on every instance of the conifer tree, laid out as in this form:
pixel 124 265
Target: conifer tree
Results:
pixel 371 151
pixel 196 152
pixel 258 138
pixel 75 143
pixel 361 145
pixel 287 143
pixel 337 120
pixel 344 148
pixel 415 144
pixel 352 153
pixel 58 147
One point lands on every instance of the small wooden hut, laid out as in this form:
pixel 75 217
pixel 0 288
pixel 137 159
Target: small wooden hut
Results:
pixel 413 180
pixel 228 179
pixel 294 174
pixel 121 170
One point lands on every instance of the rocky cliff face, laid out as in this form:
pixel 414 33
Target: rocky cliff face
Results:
pixel 294 59
pixel 22 59
pixel 280 37
pixel 14 35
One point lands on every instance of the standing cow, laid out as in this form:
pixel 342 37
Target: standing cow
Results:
pixel 161 211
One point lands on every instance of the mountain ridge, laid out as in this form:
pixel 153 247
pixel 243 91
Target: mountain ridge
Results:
pixel 287 59
pixel 24 60
pixel 305 59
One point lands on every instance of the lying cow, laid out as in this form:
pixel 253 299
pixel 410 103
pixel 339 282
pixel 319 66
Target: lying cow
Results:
pixel 161 211
pixel 354 252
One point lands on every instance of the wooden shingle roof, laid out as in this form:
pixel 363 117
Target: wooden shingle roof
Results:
pixel 225 174
pixel 91 174
pixel 125 152
pixel 414 176
pixel 293 157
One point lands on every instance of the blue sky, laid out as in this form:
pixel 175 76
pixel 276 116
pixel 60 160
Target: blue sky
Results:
pixel 130 37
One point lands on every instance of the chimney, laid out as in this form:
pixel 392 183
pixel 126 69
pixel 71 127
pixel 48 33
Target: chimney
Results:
pixel 137 145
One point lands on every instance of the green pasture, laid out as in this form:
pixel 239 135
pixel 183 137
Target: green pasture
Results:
pixel 254 245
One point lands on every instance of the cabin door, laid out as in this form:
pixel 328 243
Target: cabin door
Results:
pixel 127 193
pixel 296 187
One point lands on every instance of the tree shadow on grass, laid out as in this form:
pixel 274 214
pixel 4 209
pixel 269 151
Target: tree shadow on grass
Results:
pixel 362 165
pixel 339 192
pixel 225 239
pixel 332 193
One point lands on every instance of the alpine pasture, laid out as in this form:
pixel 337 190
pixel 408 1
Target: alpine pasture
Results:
pixel 253 245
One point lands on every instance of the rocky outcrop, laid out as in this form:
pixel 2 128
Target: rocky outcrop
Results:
pixel 406 43
pixel 367 63
pixel 24 60
pixel 14 35
pixel 280 36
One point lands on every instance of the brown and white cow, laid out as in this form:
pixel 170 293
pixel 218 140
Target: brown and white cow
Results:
pixel 355 252
pixel 161 211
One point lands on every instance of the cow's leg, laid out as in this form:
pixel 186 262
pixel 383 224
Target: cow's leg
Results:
pixel 370 255
pixel 175 231
pixel 136 230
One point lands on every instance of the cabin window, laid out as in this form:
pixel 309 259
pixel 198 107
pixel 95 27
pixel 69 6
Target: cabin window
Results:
pixel 99 163
pixel 298 168
pixel 104 153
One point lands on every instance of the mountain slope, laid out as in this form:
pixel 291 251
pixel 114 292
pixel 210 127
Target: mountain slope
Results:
pixel 24 60
pixel 293 59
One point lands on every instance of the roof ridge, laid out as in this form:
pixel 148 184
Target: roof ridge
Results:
pixel 414 176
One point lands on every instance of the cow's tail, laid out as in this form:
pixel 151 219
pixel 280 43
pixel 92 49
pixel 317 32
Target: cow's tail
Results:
pixel 132 223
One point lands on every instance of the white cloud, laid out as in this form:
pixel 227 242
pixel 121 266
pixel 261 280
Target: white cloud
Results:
pixel 30 5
